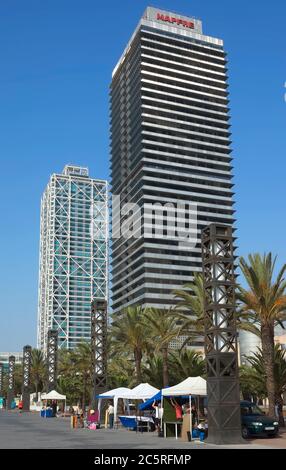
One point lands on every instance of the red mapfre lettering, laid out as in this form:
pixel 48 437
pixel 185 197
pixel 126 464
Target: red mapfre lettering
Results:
pixel 187 24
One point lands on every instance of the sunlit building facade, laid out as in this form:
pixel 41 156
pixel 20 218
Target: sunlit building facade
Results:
pixel 73 267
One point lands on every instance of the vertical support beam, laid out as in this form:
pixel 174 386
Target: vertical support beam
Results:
pixel 224 420
pixel 98 347
pixel 26 378
pixel 52 356
pixel 11 382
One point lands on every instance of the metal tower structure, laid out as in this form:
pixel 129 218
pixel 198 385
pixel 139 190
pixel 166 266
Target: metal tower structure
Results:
pixel 11 382
pixel 98 347
pixel 52 354
pixel 26 377
pixel 224 421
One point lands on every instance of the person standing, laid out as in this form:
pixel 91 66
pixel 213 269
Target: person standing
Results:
pixel 178 409
pixel 194 415
pixel 110 412
pixel 158 415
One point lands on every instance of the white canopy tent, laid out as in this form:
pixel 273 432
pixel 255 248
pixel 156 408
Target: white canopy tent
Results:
pixel 113 394
pixel 195 386
pixel 140 392
pixel 54 395
pixel 192 386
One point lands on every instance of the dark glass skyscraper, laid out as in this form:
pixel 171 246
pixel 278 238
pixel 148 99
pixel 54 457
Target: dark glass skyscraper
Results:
pixel 170 144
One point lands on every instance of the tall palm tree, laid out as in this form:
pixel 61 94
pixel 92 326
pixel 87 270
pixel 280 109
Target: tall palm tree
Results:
pixel 164 329
pixel 265 304
pixel 38 370
pixel 129 335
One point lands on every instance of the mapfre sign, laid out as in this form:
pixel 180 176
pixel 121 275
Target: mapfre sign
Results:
pixel 174 20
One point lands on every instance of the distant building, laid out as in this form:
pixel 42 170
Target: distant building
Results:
pixel 73 255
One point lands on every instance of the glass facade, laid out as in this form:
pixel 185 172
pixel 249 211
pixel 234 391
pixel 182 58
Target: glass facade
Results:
pixel 73 255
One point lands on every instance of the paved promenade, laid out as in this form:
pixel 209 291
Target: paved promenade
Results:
pixel 30 431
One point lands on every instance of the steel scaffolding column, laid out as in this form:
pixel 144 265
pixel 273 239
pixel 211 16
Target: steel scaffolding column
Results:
pixel 52 353
pixel 11 382
pixel 224 421
pixel 26 378
pixel 98 347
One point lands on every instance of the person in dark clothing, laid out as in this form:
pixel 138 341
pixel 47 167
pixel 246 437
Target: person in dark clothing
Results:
pixel 194 415
pixel 54 408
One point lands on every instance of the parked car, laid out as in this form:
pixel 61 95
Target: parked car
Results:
pixel 254 422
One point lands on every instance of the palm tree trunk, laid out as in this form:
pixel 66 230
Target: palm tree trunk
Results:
pixel 165 367
pixel 138 357
pixel 279 400
pixel 267 343
pixel 83 394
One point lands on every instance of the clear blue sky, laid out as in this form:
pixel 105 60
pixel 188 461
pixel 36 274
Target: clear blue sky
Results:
pixel 56 61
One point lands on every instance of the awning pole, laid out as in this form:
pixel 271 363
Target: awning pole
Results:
pixel 191 424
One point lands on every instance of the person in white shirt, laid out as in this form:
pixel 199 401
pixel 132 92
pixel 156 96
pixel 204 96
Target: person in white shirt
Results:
pixel 158 415
pixel 110 411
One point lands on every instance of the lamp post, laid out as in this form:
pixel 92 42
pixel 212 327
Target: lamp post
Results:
pixel 26 377
pixel 52 355
pixel 224 420
pixel 98 347
pixel 11 382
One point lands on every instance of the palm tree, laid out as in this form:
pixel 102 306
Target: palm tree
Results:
pixel 186 363
pixel 81 357
pixel 165 328
pixel 120 371
pixel 252 384
pixel 256 376
pixel 153 370
pixel 129 335
pixel 265 304
pixel 38 370
pixel 192 300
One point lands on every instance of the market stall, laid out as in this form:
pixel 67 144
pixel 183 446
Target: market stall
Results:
pixel 114 395
pixel 191 387
pixel 52 396
pixel 143 391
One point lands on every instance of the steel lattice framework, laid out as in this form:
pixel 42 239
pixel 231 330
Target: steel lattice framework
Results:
pixel 11 382
pixel 224 420
pixel 1 379
pixel 26 377
pixel 52 355
pixel 98 346
pixel 73 255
